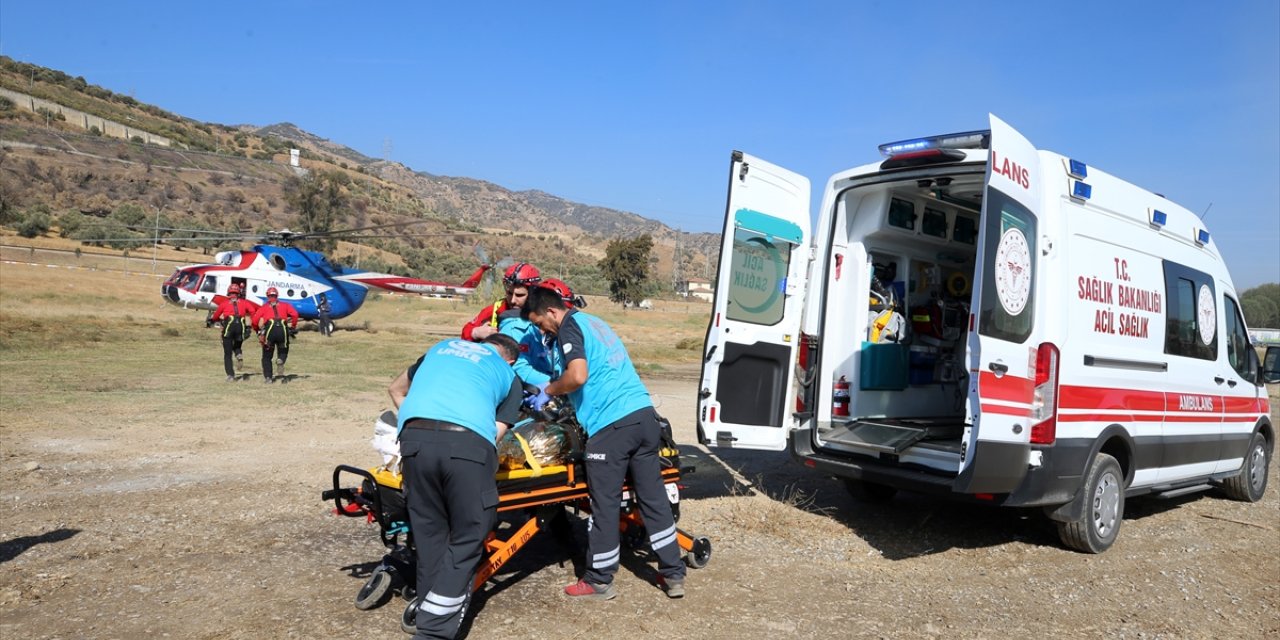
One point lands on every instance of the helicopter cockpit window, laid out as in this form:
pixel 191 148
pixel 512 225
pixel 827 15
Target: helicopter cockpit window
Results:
pixel 210 285
pixel 277 261
pixel 188 280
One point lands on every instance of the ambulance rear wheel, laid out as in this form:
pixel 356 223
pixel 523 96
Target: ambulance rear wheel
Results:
pixel 869 492
pixel 1099 524
pixel 1251 482
pixel 375 592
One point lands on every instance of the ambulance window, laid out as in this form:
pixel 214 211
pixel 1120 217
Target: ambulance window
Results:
pixel 902 213
pixel 1190 327
pixel 1238 343
pixel 1008 276
pixel 934 223
pixel 758 277
pixel 966 230
pixel 210 285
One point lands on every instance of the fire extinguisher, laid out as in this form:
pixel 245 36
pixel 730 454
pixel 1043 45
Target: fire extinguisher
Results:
pixel 840 398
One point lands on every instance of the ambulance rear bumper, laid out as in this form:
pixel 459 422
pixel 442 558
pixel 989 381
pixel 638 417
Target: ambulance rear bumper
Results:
pixel 1054 482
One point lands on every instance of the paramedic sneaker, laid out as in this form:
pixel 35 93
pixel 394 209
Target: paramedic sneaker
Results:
pixel 239 362
pixel 231 378
pixel 674 587
pixel 587 591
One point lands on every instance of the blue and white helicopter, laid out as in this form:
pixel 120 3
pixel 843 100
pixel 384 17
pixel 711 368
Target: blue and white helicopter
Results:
pixel 303 278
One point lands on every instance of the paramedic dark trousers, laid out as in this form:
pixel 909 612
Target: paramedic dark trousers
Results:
pixel 631 443
pixel 452 499
pixel 275 340
pixel 230 349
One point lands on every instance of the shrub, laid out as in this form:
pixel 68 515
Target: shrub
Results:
pixel 691 344
pixel 95 131
pixel 35 223
pixel 69 222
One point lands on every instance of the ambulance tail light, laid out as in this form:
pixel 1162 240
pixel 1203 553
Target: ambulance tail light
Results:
pixel 807 343
pixel 1044 399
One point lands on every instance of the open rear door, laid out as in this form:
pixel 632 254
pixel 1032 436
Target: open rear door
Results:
pixel 750 352
pixel 1002 350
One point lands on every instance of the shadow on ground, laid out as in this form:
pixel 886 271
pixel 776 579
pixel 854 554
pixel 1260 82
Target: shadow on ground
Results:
pixel 11 549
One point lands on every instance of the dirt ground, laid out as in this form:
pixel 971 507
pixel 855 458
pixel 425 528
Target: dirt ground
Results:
pixel 147 498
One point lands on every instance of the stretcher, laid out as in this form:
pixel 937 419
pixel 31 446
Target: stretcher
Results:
pixel 531 498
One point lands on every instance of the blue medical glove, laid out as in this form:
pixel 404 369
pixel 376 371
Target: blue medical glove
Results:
pixel 539 401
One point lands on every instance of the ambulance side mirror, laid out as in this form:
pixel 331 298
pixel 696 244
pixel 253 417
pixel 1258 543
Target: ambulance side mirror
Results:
pixel 1270 371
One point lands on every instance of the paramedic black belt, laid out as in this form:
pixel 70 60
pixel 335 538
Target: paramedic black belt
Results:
pixel 433 425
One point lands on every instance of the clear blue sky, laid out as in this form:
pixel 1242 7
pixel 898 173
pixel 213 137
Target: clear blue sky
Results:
pixel 637 105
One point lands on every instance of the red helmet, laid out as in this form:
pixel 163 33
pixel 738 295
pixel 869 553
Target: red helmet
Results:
pixel 272 293
pixel 557 285
pixel 521 274
pixel 234 289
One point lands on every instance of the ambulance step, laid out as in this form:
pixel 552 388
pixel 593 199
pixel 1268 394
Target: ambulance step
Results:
pixel 877 436
pixel 1181 491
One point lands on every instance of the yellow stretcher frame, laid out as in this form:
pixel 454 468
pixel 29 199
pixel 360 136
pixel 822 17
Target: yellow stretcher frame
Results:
pixel 571 491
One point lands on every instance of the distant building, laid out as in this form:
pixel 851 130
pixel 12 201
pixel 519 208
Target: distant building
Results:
pixel 698 288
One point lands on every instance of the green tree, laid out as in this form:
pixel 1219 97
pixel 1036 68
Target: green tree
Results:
pixel 35 223
pixel 1261 306
pixel 318 199
pixel 109 232
pixel 130 215
pixel 69 222
pixel 626 267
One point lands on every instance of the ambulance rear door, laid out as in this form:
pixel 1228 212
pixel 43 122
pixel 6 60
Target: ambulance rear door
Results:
pixel 1002 353
pixel 752 339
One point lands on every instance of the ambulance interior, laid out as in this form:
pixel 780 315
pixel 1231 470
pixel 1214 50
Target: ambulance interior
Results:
pixel 896 318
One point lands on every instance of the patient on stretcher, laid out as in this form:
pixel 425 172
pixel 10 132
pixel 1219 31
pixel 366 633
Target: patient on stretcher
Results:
pixel 529 449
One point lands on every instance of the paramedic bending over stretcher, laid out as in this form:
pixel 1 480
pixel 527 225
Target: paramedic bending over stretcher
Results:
pixel 622 434
pixel 454 404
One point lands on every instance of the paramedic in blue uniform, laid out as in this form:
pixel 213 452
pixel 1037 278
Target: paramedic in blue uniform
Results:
pixel 623 435
pixel 454 404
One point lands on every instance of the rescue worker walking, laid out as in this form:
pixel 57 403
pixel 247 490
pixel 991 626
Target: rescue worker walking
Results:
pixel 454 404
pixel 516 280
pixel 234 314
pixel 275 323
pixel 322 311
pixel 623 435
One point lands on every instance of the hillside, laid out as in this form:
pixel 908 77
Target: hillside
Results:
pixel 62 159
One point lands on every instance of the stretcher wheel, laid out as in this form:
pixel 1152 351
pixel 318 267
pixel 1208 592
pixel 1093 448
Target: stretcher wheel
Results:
pixel 700 554
pixel 409 619
pixel 375 591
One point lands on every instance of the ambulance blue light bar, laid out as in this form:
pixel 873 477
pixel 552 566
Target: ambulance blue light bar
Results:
pixel 1202 237
pixel 1159 218
pixel 1081 190
pixel 966 140
pixel 1077 169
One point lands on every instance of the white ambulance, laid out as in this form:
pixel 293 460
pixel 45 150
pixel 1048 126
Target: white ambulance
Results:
pixel 978 318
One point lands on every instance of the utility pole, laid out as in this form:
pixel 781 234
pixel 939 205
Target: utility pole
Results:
pixel 155 246
pixel 676 270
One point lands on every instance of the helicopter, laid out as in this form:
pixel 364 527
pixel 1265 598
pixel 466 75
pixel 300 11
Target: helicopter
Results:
pixel 302 278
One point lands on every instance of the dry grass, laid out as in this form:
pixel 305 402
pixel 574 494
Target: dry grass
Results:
pixel 752 511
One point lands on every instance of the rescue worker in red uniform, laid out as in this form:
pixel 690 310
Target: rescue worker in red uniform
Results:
pixel 275 323
pixel 234 315
pixel 516 280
